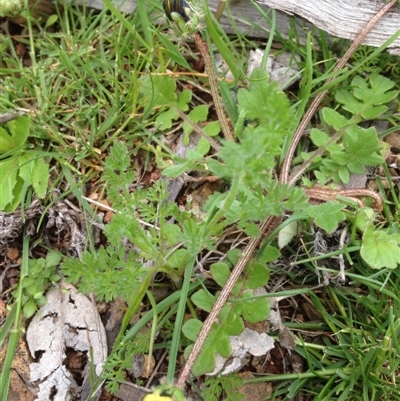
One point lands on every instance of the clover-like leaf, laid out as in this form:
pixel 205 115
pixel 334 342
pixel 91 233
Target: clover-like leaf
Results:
pixel 191 329
pixel 218 342
pixel 334 119
pixel 258 275
pixel 252 309
pixel 8 181
pixel 376 91
pixel 380 249
pixel 362 146
pixel 158 91
pixel 369 97
pixel 220 272
pixel 39 177
pixel 203 299
pixel 320 138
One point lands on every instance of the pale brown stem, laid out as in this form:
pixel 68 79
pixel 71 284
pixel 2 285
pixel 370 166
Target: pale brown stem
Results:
pixel 219 107
pixel 220 10
pixel 6 117
pixel 326 194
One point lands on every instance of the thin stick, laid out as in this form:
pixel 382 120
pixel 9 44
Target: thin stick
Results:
pixel 332 194
pixel 219 107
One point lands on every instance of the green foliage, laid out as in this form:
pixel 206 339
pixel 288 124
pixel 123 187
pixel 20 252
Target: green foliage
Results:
pixel 42 273
pixel 193 160
pixel 79 76
pixel 262 100
pixel 242 306
pixel 117 363
pixel 260 145
pixel 19 167
pixel 223 386
pixel 252 159
pixel 159 97
pixel 368 99
pixel 117 175
pixel 105 273
pixel 185 17
pixel 159 92
pixel 121 359
pixel 350 151
pixel 167 248
pixel 359 147
pixel 380 249
pixel 198 115
pixel 327 215
pixel 386 64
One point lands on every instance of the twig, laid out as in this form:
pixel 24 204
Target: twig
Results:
pixel 341 277
pixel 332 194
pixel 219 107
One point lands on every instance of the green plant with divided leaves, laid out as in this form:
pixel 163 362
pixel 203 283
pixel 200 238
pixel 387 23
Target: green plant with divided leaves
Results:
pixel 350 151
pixel 381 248
pixel 359 148
pixel 42 273
pixel 112 266
pixel 386 63
pixel 142 217
pixel 226 386
pixel 160 102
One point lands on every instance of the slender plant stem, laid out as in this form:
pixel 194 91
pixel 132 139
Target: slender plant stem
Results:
pixel 180 315
pixel 331 194
pixel 219 107
pixel 220 9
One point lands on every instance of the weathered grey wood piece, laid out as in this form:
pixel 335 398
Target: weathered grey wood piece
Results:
pixel 345 18
pixel 239 15
pixel 341 18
